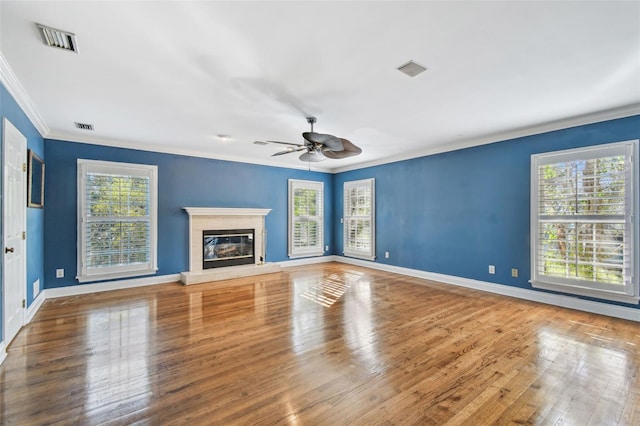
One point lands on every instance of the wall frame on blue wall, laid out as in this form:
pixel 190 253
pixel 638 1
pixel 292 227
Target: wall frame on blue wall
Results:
pixel 35 181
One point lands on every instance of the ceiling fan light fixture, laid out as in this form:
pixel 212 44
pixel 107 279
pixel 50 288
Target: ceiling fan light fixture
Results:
pixel 411 69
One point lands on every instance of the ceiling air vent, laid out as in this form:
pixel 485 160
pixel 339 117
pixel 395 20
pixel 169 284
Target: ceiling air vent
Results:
pixel 57 38
pixel 260 143
pixel 411 69
pixel 84 126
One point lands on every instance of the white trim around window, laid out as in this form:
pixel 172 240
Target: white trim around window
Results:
pixel 359 223
pixel 117 220
pixel 584 221
pixel 306 218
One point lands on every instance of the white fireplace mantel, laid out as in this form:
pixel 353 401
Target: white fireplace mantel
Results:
pixel 201 218
pixel 225 211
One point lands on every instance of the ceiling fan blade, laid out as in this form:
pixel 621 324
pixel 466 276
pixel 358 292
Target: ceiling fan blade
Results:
pixel 313 156
pixel 349 150
pixel 329 141
pixel 288 143
pixel 288 151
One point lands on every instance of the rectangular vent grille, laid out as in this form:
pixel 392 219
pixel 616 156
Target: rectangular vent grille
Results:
pixel 57 38
pixel 83 126
pixel 260 143
pixel 411 69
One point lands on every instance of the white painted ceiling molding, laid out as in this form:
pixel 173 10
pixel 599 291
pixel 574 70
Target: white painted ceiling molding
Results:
pixel 13 86
pixel 68 137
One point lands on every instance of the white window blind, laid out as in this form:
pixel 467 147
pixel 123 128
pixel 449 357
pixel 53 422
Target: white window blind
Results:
pixel 117 209
pixel 306 218
pixel 359 219
pixel 585 221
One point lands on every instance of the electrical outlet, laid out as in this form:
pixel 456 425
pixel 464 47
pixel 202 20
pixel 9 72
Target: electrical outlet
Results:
pixel 59 273
pixel 492 269
pixel 514 272
pixel 326 248
pixel 386 254
pixel 36 287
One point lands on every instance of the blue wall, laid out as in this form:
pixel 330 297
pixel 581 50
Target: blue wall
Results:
pixel 458 212
pixel 182 182
pixel 35 217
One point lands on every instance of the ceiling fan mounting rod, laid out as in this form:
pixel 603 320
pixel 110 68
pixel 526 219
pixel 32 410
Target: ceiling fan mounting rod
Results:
pixel 311 120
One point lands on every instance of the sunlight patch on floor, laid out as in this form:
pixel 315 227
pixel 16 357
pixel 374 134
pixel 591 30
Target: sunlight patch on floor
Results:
pixel 325 293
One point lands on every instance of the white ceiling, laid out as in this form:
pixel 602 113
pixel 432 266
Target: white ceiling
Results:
pixel 170 76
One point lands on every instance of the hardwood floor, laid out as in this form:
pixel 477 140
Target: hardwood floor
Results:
pixel 328 344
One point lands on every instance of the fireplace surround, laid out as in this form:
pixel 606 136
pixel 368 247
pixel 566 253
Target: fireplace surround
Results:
pixel 216 218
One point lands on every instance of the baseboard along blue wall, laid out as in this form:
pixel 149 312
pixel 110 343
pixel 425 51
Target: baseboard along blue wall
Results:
pixel 458 212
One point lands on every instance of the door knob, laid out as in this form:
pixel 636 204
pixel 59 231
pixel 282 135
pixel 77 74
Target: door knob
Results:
pixel 8 249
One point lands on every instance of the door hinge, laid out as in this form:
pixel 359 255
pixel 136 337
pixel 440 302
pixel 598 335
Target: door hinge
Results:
pixel 24 235
pixel 24 303
pixel 24 167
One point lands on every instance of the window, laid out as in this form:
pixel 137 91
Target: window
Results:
pixel 359 219
pixel 584 216
pixel 117 220
pixel 306 218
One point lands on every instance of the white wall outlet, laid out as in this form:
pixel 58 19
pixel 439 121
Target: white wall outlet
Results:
pixel 341 220
pixel 59 273
pixel 492 269
pixel 36 287
pixel 514 272
pixel 386 254
pixel 326 248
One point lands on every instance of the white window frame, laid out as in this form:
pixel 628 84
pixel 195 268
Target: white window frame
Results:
pixel 631 291
pixel 318 249
pixel 369 254
pixel 85 274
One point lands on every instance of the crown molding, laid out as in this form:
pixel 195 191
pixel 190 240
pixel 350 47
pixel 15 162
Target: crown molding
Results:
pixel 69 137
pixel 565 123
pixel 9 79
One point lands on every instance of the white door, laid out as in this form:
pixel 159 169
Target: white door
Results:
pixel 14 211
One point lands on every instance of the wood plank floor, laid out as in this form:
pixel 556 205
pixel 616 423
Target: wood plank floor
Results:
pixel 328 344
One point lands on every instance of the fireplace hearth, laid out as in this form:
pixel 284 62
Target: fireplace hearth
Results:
pixel 228 247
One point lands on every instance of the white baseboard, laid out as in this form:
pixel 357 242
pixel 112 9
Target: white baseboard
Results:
pixel 570 302
pixel 308 261
pixel 35 306
pixel 3 352
pixel 52 293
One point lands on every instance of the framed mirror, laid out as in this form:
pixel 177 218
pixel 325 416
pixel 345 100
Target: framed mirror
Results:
pixel 35 182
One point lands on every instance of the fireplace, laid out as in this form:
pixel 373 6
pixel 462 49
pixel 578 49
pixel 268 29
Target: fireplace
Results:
pixel 228 247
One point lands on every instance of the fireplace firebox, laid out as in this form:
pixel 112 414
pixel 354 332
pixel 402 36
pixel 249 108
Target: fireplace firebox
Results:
pixel 229 247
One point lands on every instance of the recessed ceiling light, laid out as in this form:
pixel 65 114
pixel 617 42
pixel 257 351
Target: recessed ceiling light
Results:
pixel 84 126
pixel 224 138
pixel 57 38
pixel 411 69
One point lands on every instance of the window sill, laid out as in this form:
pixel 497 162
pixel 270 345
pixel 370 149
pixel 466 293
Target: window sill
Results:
pixel 301 255
pixel 115 275
pixel 359 256
pixel 581 291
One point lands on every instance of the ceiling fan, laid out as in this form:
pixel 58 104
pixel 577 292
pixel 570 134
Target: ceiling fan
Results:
pixel 319 146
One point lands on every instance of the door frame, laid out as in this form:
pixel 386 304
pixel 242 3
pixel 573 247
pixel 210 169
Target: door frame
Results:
pixel 7 127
